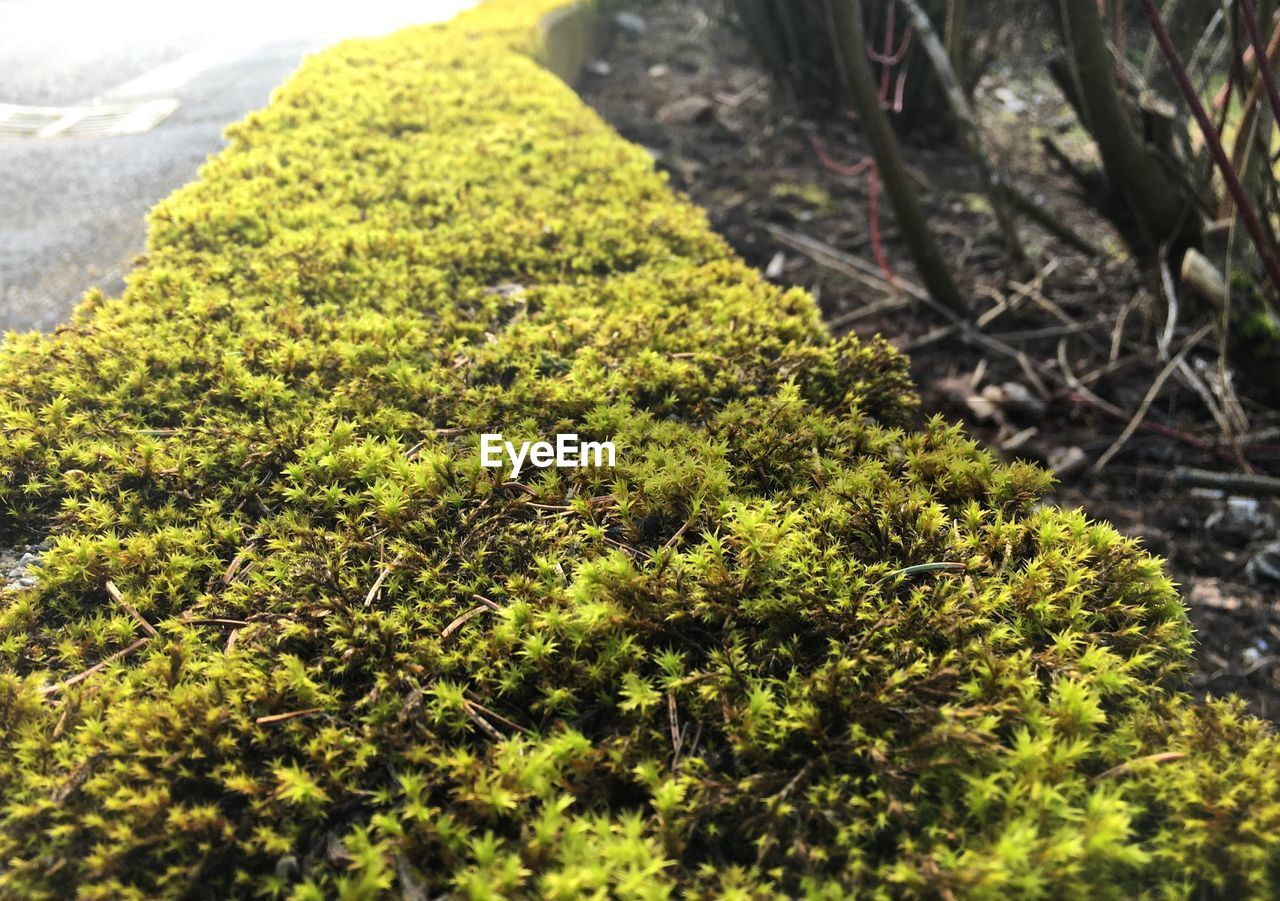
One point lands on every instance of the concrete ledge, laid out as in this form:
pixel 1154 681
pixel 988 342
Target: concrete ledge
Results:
pixel 568 37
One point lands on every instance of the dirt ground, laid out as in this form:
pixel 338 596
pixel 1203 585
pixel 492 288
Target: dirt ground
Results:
pixel 1063 355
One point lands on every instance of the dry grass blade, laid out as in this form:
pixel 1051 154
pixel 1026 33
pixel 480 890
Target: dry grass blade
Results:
pixel 1152 759
pixel 282 717
pixel 51 690
pixel 1152 393
pixel 377 585
pixel 481 723
pixel 128 608
pixel 485 604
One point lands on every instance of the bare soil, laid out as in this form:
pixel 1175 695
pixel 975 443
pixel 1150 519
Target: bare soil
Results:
pixel 1064 353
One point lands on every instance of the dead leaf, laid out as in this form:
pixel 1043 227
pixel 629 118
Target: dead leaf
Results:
pixel 1067 461
pixel 685 110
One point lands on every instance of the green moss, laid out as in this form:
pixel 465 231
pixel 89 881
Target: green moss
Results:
pixel 1254 337
pixel 811 195
pixel 727 667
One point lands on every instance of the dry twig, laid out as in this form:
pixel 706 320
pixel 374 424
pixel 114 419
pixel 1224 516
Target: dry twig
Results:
pixel 51 690
pixel 1150 397
pixel 130 609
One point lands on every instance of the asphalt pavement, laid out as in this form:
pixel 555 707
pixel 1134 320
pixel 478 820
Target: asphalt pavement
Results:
pixel 72 208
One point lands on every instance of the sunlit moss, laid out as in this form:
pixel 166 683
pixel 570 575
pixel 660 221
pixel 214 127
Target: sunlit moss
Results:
pixel 730 666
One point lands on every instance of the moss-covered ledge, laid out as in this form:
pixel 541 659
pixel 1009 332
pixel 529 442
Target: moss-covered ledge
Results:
pixel 291 639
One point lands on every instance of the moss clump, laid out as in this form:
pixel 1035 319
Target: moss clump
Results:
pixel 1255 339
pixel 731 666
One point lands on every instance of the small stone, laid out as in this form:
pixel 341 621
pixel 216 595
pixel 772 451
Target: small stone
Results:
pixel 599 68
pixel 631 25
pixel 659 70
pixel 1020 401
pixel 336 851
pixel 1209 593
pixel 776 266
pixel 1264 566
pixel 1009 100
pixel 1241 518
pixel 506 290
pixel 287 868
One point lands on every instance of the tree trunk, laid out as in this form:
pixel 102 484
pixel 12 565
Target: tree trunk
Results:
pixel 1165 212
pixel 971 132
pixel 845 19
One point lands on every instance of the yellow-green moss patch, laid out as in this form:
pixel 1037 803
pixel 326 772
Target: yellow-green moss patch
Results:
pixel 730 666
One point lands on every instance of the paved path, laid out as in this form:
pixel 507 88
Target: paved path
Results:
pixel 72 208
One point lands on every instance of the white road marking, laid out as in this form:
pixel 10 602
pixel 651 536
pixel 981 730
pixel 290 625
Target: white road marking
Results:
pixel 166 79
pixel 62 123
pixel 97 120
pixel 142 102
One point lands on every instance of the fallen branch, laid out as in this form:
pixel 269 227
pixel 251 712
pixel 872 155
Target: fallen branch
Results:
pixel 492 714
pixel 1081 394
pixel 1152 759
pixel 234 566
pixel 673 722
pixel 461 621
pixel 846 264
pixel 675 539
pixel 838 324
pixel 1236 482
pixel 377 584
pixel 485 604
pixel 211 621
pixel 484 725
pixel 825 255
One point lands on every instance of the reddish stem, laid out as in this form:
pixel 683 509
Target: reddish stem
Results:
pixel 868 165
pixel 1260 55
pixel 1247 214
pixel 873 217
pixel 899 91
pixel 820 149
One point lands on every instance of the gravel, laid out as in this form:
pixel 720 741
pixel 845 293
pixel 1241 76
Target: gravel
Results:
pixel 19 567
